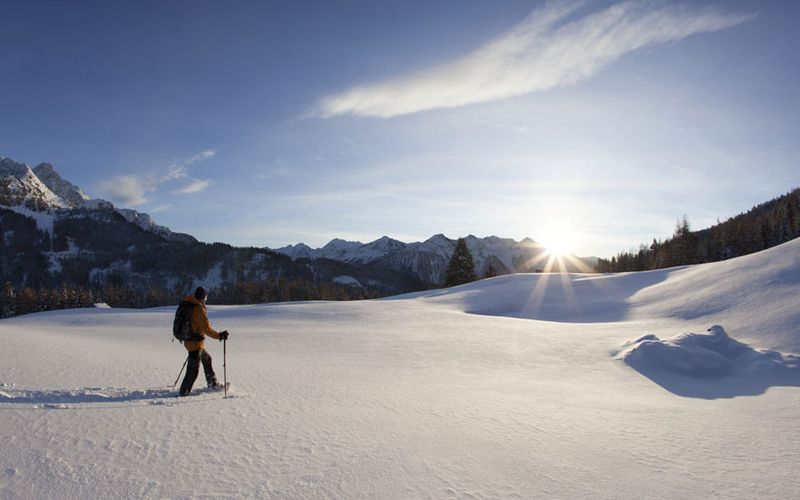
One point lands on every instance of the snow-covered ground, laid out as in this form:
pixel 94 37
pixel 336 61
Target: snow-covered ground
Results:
pixel 523 386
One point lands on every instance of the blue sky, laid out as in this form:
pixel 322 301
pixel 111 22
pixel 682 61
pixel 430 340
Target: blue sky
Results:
pixel 269 123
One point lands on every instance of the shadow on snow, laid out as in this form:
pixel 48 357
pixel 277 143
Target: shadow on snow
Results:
pixel 710 365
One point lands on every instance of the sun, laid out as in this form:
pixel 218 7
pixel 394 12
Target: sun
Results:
pixel 558 241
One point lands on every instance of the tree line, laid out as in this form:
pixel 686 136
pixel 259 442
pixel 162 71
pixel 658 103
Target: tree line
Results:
pixel 764 226
pixel 15 301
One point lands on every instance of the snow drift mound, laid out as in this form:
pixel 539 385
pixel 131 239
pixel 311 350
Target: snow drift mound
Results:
pixel 710 364
pixel 711 353
pixel 755 295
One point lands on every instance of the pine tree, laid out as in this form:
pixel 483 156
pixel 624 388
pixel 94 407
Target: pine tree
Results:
pixel 7 301
pixel 26 301
pixel 461 268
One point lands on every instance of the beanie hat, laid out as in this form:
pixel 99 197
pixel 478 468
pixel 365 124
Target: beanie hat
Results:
pixel 200 293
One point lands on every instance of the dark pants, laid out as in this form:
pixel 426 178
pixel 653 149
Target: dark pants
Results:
pixel 193 367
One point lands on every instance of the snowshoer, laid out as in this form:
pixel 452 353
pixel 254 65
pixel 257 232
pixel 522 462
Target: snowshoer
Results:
pixel 196 348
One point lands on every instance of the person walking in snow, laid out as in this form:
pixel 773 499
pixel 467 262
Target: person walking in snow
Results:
pixel 196 348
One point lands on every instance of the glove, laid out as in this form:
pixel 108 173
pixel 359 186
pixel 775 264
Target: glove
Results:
pixel 223 335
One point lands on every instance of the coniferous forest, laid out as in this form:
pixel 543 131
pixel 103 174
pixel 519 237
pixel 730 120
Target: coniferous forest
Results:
pixel 766 225
pixel 24 300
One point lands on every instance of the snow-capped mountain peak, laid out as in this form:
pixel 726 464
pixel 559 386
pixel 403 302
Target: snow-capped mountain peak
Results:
pixel 20 186
pixel 71 194
pixel 339 249
pixel 42 189
pixel 299 251
pixel 338 244
pixel 385 244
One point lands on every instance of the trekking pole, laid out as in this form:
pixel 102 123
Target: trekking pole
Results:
pixel 181 372
pixel 225 368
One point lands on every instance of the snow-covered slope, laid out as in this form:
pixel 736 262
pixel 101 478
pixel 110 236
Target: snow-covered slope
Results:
pixel 522 386
pixel 757 295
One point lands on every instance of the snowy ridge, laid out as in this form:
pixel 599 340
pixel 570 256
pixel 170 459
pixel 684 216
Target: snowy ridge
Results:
pixel 142 220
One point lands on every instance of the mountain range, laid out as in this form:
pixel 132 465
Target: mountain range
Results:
pixel 53 233
pixel 427 260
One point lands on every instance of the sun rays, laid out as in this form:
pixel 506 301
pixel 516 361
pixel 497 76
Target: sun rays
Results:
pixel 554 261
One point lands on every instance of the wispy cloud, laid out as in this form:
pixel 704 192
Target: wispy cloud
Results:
pixel 196 186
pixel 202 155
pixel 132 190
pixel 129 189
pixel 181 169
pixel 160 208
pixel 176 171
pixel 555 45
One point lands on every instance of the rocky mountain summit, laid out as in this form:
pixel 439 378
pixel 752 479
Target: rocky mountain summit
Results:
pixel 43 190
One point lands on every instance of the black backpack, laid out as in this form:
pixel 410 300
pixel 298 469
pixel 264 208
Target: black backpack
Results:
pixel 182 326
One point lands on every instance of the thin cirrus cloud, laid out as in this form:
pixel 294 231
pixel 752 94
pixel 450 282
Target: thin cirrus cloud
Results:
pixel 554 46
pixel 196 186
pixel 133 190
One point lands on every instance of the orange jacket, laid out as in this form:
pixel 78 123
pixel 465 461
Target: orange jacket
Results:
pixel 200 325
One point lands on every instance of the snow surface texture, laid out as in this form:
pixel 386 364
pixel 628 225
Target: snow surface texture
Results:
pixel 523 386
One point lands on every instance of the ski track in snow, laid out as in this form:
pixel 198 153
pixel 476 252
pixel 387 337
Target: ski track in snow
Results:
pixel 482 391
pixel 106 396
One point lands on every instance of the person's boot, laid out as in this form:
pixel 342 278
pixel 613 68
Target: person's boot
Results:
pixel 211 377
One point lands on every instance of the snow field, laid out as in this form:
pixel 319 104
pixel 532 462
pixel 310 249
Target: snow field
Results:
pixel 415 396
